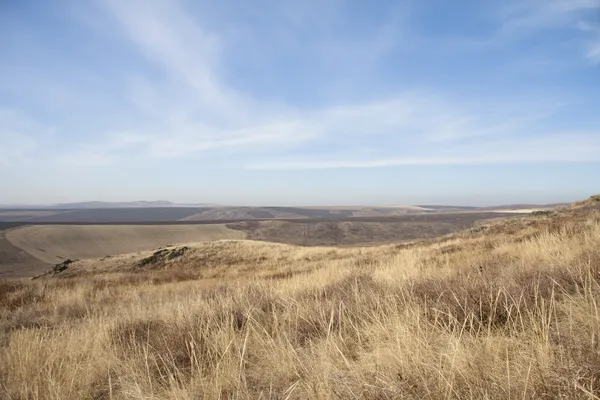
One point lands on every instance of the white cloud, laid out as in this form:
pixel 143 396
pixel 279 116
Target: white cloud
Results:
pixel 190 110
pixel 408 120
pixel 576 5
pixel 594 52
pixel 524 15
pixel 165 35
pixel 564 147
pixel 20 136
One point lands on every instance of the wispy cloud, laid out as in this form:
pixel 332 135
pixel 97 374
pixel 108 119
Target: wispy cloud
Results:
pixel 170 39
pixel 591 28
pixel 181 104
pixel 18 134
pixel 407 122
pixel 566 147
pixel 524 15
pixel 594 52
pixel 191 110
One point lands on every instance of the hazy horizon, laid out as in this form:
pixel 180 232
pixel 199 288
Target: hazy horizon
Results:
pixel 169 203
pixel 300 103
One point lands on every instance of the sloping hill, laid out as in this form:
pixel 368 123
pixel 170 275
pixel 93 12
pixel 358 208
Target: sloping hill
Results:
pixel 15 262
pixel 508 309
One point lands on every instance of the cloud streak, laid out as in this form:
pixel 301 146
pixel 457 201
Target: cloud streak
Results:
pixel 410 121
pixel 167 37
pixel 573 147
pixel 594 52
pixel 17 137
pixel 524 15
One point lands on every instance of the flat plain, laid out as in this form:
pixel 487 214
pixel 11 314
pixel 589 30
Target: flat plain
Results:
pixel 151 215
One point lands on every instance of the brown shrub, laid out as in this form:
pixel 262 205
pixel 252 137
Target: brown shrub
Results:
pixel 15 294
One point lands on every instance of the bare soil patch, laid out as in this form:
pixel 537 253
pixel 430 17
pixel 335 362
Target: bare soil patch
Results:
pixel 53 243
pixel 15 262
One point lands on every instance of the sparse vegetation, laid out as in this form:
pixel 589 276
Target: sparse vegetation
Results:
pixel 542 213
pixel 508 309
pixel 595 199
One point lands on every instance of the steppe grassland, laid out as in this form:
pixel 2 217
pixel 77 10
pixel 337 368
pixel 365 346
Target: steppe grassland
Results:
pixel 506 310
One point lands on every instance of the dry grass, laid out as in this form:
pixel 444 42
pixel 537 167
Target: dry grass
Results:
pixel 507 310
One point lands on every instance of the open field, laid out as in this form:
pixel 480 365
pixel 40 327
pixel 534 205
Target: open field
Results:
pixel 152 214
pixel 55 243
pixel 23 215
pixel 17 262
pixel 339 233
pixel 112 215
pixel 508 309
pixel 362 230
pixel 25 249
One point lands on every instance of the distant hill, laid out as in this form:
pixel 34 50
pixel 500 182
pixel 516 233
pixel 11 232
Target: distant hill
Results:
pixel 84 205
pixel 103 204
pixel 166 211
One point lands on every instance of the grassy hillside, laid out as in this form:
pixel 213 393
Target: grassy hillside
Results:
pixel 505 310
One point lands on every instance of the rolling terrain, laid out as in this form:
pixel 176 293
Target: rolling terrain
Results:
pixel 106 215
pixel 151 212
pixel 506 309
pixel 55 243
pixel 363 230
pixel 23 215
pixel 339 233
pixel 26 248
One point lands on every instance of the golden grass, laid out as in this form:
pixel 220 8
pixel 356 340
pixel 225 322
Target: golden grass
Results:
pixel 508 310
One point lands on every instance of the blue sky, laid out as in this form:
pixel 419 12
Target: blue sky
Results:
pixel 300 102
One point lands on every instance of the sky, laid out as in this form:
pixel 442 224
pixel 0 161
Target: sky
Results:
pixel 281 102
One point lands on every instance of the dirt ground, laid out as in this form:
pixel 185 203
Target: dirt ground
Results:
pixel 15 262
pixel 53 244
